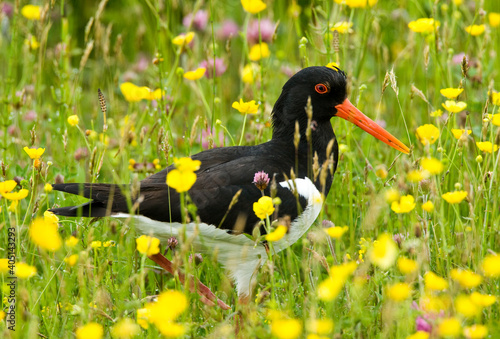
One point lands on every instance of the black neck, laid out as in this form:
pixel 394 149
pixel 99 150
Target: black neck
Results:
pixel 321 136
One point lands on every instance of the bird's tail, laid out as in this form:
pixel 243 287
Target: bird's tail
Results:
pixel 106 199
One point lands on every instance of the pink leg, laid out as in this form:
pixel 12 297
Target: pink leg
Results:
pixel 207 296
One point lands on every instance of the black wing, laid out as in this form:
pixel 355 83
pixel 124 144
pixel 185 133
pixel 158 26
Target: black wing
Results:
pixel 222 174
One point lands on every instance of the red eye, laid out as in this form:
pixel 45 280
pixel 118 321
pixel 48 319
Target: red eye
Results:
pixel 321 89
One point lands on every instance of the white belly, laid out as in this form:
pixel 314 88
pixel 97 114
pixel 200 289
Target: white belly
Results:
pixel 237 253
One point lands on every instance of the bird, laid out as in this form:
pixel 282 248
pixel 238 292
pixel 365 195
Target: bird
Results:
pixel 301 158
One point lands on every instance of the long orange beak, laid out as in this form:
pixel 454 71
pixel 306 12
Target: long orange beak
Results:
pixel 347 111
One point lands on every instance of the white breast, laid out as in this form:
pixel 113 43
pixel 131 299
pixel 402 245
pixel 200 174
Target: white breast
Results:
pixel 237 253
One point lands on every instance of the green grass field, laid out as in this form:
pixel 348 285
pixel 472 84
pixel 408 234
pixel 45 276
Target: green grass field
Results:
pixel 360 284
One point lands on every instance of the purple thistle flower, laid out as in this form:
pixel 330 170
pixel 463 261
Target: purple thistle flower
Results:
pixel 266 31
pixel 205 135
pixel 7 9
pixel 261 180
pixel 327 224
pixel 423 325
pixel 228 30
pixel 30 116
pixel 220 67
pixel 199 20
pixel 458 58
pixel 81 153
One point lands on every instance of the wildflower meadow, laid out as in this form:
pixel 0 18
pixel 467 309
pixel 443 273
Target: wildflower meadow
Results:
pixel 405 246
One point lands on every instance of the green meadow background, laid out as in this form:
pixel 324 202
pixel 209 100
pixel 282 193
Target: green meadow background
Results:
pixel 52 68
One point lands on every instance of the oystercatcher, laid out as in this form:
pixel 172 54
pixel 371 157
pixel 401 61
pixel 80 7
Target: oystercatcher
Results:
pixel 302 136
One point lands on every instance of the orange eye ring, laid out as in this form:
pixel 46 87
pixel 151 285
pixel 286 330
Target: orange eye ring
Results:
pixel 321 88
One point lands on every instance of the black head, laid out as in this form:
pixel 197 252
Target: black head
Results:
pixel 324 85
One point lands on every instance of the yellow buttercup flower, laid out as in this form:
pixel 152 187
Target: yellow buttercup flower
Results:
pixel 486 146
pixel 336 232
pixel 432 165
pixel 44 234
pixel 249 107
pixel 466 307
pixel 73 120
pixel 495 119
pixel 247 74
pixel 31 12
pixel 453 106
pixel 125 329
pixel 32 42
pixel 398 291
pixel 424 25
pixel 148 245
pixel 391 195
pixel 286 328
pixel 16 196
pixel 24 271
pixel 182 178
pixel 342 27
pixel 475 30
pixel 435 303
pixel 475 331
pixel 183 39
pixel 259 51
pixel 154 95
pixel 404 205
pixel 434 282
pixel 419 335
pixel 384 251
pixel 381 172
pixel 96 244
pixel 407 266
pixel 169 329
pixel 71 260
pixel 320 326
pixel 494 19
pixel 71 241
pixel 34 153
pixel 437 113
pixel 133 93
pixel 4 265
pixel 330 288
pixel 451 93
pixel 169 305
pixel 495 98
pixel 196 74
pixel 483 300
pixel 253 6
pixel 263 207
pixel 109 243
pixel 416 176
pixel 466 278
pixel 491 266
pixel 181 181
pixel 47 188
pixel 455 197
pixel 449 327
pixel 427 134
pixel 277 234
pixel 7 186
pixel 458 133
pixel 187 164
pixel 143 317
pixel 50 218
pixel 428 206
pixel 90 331
pixel 357 3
